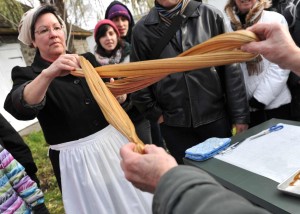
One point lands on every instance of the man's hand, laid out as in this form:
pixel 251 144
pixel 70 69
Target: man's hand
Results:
pixel 145 170
pixel 276 45
pixel 240 127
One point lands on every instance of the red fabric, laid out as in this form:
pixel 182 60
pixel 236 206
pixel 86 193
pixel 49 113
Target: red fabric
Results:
pixel 105 22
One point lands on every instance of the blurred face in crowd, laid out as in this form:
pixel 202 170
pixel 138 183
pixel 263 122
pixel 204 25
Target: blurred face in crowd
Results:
pixel 244 5
pixel 168 3
pixel 110 40
pixel 122 24
pixel 49 37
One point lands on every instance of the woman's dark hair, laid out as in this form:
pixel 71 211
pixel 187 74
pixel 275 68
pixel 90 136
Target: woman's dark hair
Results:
pixel 41 11
pixel 127 38
pixel 100 33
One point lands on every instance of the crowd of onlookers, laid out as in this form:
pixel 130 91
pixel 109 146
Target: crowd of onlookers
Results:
pixel 175 113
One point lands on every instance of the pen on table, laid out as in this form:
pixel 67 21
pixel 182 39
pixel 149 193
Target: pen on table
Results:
pixel 233 146
pixel 267 131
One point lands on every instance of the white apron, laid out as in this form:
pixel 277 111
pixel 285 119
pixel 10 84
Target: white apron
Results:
pixel 92 179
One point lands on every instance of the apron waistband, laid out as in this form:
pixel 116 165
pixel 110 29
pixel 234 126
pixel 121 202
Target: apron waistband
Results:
pixel 83 141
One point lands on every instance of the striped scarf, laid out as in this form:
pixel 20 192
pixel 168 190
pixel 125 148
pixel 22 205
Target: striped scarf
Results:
pixel 252 16
pixel 254 66
pixel 167 15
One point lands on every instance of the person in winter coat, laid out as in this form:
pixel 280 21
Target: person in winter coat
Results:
pixel 292 14
pixel 122 17
pixel 84 148
pixel 18 192
pixel 266 83
pixel 111 49
pixel 194 105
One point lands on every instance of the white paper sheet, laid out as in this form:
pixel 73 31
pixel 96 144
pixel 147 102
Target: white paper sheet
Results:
pixel 275 155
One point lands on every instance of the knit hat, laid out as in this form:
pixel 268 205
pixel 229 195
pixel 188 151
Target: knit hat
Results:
pixel 118 10
pixel 105 22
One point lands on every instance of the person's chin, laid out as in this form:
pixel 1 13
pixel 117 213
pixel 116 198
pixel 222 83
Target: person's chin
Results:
pixel 57 46
pixel 122 33
pixel 110 48
pixel 58 50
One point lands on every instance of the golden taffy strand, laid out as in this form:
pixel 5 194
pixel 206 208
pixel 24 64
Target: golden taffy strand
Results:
pixel 220 50
pixel 111 109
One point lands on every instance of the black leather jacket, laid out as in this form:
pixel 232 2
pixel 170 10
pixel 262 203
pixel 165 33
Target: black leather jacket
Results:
pixel 195 97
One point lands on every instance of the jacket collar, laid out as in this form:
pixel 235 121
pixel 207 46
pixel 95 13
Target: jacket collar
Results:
pixel 39 63
pixel 154 18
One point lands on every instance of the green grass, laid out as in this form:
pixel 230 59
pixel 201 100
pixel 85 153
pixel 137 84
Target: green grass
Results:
pixel 39 149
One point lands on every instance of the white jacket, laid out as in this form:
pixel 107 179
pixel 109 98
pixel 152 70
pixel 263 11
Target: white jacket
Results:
pixel 269 87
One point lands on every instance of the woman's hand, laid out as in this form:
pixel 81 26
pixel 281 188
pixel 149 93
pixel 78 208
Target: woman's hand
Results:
pixel 36 90
pixel 160 119
pixel 121 98
pixel 62 66
pixel 240 128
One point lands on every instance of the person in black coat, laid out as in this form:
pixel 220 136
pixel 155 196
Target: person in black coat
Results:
pixel 194 105
pixel 122 17
pixel 84 148
pixel 292 14
pixel 290 9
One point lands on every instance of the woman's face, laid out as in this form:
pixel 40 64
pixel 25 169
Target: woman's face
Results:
pixel 122 24
pixel 169 4
pixel 49 37
pixel 244 5
pixel 110 40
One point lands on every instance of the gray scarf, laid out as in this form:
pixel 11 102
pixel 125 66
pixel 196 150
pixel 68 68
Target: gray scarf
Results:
pixel 114 59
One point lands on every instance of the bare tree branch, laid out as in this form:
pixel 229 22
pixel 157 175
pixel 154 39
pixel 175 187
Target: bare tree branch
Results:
pixel 12 16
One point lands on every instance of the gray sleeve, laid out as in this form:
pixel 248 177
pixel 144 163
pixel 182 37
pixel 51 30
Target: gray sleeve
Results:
pixel 186 189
